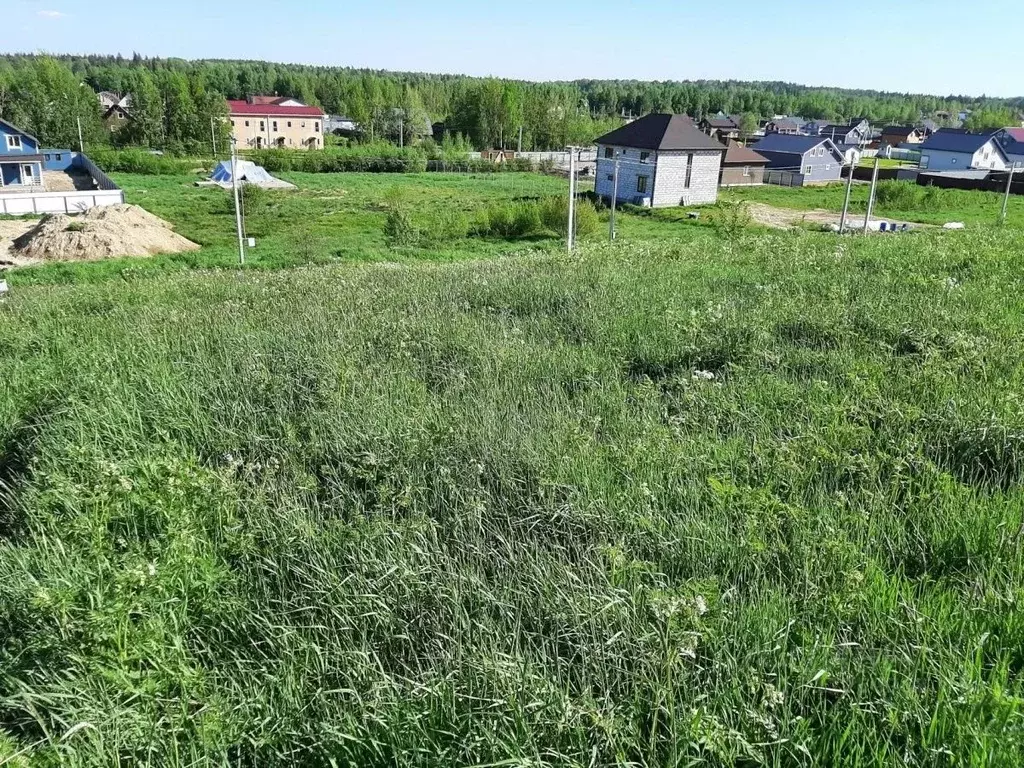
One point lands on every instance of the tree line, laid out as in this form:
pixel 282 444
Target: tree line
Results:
pixel 174 101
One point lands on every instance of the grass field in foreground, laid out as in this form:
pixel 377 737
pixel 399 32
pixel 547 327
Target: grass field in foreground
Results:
pixel 755 502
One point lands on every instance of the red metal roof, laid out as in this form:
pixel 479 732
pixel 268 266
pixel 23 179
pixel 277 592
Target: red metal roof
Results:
pixel 244 108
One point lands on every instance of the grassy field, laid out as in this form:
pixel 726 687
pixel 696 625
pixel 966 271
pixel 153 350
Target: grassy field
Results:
pixel 931 206
pixel 750 501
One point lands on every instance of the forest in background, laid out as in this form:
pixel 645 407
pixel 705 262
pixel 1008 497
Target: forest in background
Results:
pixel 174 101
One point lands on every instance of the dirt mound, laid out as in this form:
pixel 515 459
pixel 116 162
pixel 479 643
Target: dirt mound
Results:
pixel 100 233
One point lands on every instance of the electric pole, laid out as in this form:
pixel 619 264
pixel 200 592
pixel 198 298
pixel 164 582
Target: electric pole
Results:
pixel 81 144
pixel 238 209
pixel 874 183
pixel 615 195
pixel 519 151
pixel 846 203
pixel 571 224
pixel 1006 197
pixel 401 131
pixel 213 138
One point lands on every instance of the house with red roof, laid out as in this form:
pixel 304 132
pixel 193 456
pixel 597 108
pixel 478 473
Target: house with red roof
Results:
pixel 279 122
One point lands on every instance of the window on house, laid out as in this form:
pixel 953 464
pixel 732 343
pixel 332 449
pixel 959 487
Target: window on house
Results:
pixel 263 125
pixel 246 123
pixel 29 172
pixel 316 126
pixel 746 171
pixel 611 177
pixel 689 170
pixel 303 123
pixel 47 158
pixel 641 184
pixel 60 158
pixel 644 156
pixel 828 166
pixel 608 153
pixel 275 125
pixel 14 142
pixel 120 115
pixel 289 123
pixel 808 170
pixel 924 161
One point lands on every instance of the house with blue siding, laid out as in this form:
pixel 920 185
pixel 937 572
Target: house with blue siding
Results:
pixel 805 159
pixel 21 162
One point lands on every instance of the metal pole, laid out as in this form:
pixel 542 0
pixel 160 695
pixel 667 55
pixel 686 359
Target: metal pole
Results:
pixel 213 137
pixel 81 144
pixel 615 195
pixel 871 197
pixel 570 225
pixel 238 210
pixel 846 203
pixel 519 151
pixel 1006 197
pixel 401 132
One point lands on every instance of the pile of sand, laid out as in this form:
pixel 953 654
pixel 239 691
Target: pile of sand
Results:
pixel 100 233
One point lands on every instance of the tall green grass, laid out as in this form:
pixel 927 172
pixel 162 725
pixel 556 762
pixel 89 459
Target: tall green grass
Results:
pixel 722 503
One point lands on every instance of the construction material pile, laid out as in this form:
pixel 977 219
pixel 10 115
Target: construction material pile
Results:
pixel 248 173
pixel 100 233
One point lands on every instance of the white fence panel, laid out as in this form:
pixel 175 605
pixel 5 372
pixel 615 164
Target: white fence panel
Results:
pixel 29 203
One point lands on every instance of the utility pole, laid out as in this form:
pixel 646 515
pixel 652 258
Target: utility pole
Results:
pixel 238 208
pixel 571 224
pixel 213 138
pixel 615 195
pixel 1006 197
pixel 401 131
pixel 81 144
pixel 846 203
pixel 871 196
pixel 519 150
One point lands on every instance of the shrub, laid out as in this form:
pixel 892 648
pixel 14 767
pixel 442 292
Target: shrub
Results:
pixel 399 230
pixel 554 214
pixel 899 195
pixel 253 197
pixel 731 219
pixel 142 162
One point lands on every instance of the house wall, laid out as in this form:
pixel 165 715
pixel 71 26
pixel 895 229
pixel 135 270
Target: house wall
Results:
pixel 58 159
pixel 630 169
pixel 295 131
pixel 733 176
pixel 28 144
pixel 940 160
pixel 670 178
pixel 13 173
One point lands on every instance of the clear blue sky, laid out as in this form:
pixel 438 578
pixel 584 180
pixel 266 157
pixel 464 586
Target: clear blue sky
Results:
pixel 929 46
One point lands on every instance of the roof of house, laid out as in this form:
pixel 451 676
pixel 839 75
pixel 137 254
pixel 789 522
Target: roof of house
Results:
pixel 661 132
pixel 784 121
pixel 1016 133
pixel 946 140
pixel 797 145
pixel 722 122
pixel 898 130
pixel 245 108
pixel 16 129
pixel 737 154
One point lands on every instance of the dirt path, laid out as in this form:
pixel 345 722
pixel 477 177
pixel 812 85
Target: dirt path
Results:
pixel 788 218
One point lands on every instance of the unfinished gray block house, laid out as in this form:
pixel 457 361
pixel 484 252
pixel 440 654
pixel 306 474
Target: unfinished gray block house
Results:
pixel 664 160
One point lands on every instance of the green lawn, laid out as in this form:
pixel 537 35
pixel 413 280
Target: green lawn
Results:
pixel 884 162
pixel 750 501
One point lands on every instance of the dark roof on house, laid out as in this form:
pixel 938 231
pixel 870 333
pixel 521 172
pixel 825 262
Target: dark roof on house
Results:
pixel 797 145
pixel 1016 133
pixel 947 140
pixel 898 130
pixel 737 154
pixel 784 121
pixel 722 122
pixel 661 132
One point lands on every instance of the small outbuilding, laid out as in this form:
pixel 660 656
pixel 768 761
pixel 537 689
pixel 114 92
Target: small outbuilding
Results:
pixel 742 166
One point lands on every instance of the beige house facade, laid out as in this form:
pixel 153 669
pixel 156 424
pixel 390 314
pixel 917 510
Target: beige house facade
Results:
pixel 282 124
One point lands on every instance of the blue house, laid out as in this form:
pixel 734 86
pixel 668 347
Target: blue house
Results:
pixel 800 159
pixel 21 162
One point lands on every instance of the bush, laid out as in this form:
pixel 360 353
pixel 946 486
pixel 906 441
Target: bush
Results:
pixel 899 195
pixel 142 162
pixel 731 219
pixel 554 214
pixel 399 231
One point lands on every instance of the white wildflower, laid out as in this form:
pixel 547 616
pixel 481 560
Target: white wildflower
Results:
pixel 703 376
pixel 152 569
pixel 700 605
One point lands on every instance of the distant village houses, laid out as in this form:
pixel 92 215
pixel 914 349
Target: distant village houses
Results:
pixel 279 122
pixel 116 109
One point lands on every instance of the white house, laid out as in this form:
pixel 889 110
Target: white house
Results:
pixel 954 150
pixel 663 160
